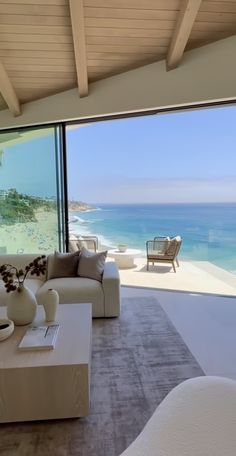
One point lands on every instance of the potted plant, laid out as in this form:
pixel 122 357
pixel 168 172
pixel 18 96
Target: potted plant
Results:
pixel 21 304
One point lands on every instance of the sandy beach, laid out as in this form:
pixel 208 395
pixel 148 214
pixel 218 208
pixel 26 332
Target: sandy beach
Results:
pixel 39 237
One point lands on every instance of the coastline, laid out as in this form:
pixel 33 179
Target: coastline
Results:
pixel 103 244
pixel 85 210
pixel 207 230
pixel 204 237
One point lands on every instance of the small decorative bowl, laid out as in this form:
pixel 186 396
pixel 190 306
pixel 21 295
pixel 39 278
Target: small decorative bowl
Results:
pixel 6 328
pixel 122 248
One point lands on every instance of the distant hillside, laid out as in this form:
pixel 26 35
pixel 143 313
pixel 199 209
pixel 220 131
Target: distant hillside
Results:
pixel 79 206
pixel 18 207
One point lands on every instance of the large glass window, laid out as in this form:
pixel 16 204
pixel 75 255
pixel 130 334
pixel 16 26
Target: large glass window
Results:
pixel 31 217
pixel 130 180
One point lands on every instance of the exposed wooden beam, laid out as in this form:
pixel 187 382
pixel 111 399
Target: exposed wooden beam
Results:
pixel 8 92
pixel 185 21
pixel 78 31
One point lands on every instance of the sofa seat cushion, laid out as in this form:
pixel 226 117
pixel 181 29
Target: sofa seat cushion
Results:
pixel 76 290
pixel 33 284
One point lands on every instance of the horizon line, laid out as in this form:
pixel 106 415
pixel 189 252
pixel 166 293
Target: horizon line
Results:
pixel 158 202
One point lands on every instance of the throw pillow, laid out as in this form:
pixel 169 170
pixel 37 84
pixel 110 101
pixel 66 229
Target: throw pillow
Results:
pixel 91 265
pixel 173 245
pixel 62 265
pixel 161 244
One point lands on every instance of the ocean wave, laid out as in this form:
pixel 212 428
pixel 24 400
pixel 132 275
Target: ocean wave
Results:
pixel 75 219
pixel 84 231
pixel 79 221
pixel 106 210
pixel 105 242
pixel 95 220
pixel 92 209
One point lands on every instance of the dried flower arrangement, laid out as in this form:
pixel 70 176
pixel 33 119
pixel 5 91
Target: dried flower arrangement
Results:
pixel 14 278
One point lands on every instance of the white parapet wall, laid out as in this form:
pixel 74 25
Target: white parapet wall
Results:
pixel 206 74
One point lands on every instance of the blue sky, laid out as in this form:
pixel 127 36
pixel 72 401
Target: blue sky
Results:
pixel 181 157
pixel 170 158
pixel 30 167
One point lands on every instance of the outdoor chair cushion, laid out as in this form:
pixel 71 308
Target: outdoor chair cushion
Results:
pixel 161 244
pixel 172 246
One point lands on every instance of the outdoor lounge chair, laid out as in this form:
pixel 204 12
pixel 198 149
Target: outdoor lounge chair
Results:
pixel 163 250
pixel 89 242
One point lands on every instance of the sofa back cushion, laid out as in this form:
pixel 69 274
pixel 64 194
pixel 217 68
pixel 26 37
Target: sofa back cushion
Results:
pixel 62 265
pixel 20 261
pixel 91 265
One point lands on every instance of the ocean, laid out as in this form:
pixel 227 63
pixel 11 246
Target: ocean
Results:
pixel 208 230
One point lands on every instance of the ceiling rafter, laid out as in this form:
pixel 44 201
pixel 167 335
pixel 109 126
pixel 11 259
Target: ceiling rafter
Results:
pixel 78 31
pixel 184 24
pixel 110 37
pixel 8 92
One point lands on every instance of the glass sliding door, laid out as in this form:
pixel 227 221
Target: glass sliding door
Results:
pixel 31 191
pixel 62 212
pixel 130 180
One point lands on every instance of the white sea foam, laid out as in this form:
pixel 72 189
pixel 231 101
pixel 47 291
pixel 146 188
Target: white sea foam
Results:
pixel 82 230
pixel 76 219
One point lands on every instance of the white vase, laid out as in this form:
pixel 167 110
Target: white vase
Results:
pixel 21 306
pixel 50 304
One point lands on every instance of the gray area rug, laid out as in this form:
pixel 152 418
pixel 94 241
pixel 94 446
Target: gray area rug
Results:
pixel 137 359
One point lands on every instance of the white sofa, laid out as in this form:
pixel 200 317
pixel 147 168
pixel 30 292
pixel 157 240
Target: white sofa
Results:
pixel 197 418
pixel 104 296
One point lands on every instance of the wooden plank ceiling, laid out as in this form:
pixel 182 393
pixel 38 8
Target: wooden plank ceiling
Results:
pixel 48 46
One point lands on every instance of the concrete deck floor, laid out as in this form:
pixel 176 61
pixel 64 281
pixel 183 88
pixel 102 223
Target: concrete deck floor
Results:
pixel 191 276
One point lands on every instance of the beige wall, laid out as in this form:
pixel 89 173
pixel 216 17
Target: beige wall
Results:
pixel 205 74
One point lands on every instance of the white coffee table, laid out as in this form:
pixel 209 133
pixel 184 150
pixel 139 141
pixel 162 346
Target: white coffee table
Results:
pixel 124 259
pixel 48 384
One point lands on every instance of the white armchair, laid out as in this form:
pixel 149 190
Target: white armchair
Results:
pixel 197 418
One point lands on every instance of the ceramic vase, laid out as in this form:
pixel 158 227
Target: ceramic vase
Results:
pixel 50 304
pixel 21 306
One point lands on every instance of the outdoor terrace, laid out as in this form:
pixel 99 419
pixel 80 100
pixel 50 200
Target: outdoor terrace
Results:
pixel 191 276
